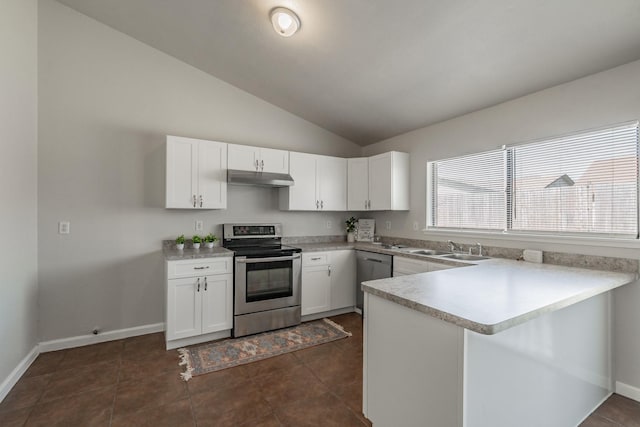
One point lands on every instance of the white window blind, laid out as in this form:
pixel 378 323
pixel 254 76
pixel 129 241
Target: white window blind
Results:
pixel 583 183
pixel 468 192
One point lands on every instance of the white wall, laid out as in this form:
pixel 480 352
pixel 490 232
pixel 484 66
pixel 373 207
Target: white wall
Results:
pixel 18 184
pixel 106 103
pixel 601 99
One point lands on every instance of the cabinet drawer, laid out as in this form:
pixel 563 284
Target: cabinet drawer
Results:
pixel 199 267
pixel 315 258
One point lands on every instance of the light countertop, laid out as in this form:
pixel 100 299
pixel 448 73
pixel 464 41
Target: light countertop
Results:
pixel 496 294
pixel 172 254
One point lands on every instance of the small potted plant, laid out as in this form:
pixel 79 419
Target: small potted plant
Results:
pixel 180 242
pixel 196 241
pixel 351 229
pixel 210 240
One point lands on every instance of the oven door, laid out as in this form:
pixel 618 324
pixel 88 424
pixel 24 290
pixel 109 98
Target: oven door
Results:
pixel 266 283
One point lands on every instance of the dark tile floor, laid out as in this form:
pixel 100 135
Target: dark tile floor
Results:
pixel 135 382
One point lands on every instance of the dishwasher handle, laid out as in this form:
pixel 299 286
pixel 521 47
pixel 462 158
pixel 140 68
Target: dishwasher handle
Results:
pixel 373 259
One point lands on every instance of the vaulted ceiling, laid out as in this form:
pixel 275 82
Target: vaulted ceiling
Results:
pixel 372 69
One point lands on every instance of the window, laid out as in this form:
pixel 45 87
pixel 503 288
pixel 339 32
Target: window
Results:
pixel 582 184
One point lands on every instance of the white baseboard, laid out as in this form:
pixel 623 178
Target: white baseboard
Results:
pixel 316 316
pixel 628 391
pixel 16 374
pixel 83 340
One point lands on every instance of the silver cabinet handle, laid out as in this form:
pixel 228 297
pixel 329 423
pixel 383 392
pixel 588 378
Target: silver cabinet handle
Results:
pixel 194 200
pixel 317 204
pixel 205 283
pixel 261 165
pixel 201 268
pixel 373 259
pixel 201 200
pixel 316 258
pixel 244 260
pixel 365 204
pixel 198 284
pixel 256 164
pixel 329 271
pixel 321 204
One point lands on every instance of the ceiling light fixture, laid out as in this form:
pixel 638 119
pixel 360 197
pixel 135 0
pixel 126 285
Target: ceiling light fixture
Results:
pixel 284 21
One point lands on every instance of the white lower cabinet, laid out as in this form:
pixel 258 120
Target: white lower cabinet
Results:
pixel 328 281
pixel 199 304
pixel 403 266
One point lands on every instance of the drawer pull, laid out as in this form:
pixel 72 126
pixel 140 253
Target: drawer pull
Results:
pixel 201 268
pixel 316 258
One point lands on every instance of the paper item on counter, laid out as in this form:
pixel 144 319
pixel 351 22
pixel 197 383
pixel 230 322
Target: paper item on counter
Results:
pixel 366 228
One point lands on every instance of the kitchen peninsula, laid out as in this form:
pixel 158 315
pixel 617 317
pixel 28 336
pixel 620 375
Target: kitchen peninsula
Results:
pixel 501 343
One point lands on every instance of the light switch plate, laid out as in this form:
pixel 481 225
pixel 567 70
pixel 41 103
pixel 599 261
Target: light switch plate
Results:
pixel 64 227
pixel 329 224
pixel 388 223
pixel 199 226
pixel 415 225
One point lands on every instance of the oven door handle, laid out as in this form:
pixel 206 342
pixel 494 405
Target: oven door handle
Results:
pixel 270 259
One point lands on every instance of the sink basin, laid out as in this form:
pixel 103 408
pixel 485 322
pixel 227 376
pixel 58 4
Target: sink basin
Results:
pixel 428 252
pixel 466 257
pixel 394 246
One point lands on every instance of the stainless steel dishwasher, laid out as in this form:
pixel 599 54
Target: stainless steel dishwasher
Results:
pixel 371 266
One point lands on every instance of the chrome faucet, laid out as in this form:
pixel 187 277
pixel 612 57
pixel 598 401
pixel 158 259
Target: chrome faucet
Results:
pixel 479 246
pixel 454 247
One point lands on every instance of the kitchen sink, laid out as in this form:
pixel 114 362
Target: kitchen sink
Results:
pixel 428 252
pixel 466 257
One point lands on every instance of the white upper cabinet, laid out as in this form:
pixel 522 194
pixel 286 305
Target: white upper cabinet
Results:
pixel 196 174
pixel 379 183
pixel 358 184
pixel 256 159
pixel 320 183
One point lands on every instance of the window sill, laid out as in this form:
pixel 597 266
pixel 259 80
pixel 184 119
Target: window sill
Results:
pixel 535 238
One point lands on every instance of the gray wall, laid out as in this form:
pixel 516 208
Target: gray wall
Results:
pixel 18 185
pixel 106 103
pixel 601 99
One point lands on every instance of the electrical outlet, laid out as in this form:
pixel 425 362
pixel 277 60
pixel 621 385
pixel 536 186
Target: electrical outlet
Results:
pixel 329 225
pixel 415 225
pixel 64 227
pixel 388 223
pixel 199 226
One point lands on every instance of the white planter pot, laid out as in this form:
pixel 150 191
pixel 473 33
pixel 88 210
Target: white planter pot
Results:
pixel 351 237
pixel 209 244
pixel 179 246
pixel 196 246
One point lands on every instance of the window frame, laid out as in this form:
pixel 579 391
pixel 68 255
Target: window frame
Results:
pixel 595 239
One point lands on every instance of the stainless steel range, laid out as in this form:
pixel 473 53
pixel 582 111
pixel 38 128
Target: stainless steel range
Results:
pixel 266 278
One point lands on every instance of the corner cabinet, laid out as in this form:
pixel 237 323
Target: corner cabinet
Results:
pixel 196 174
pixel 328 281
pixel 378 182
pixel 320 183
pixel 256 159
pixel 199 300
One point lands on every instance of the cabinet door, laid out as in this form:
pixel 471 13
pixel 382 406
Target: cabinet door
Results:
pixel 181 172
pixel 274 161
pixel 343 279
pixel 316 289
pixel 242 157
pixel 217 299
pixel 184 308
pixel 302 194
pixel 331 177
pixel 212 175
pixel 357 183
pixel 380 181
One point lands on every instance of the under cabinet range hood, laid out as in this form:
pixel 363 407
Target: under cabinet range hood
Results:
pixel 261 179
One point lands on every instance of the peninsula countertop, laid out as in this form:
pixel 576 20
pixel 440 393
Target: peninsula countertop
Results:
pixel 496 294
